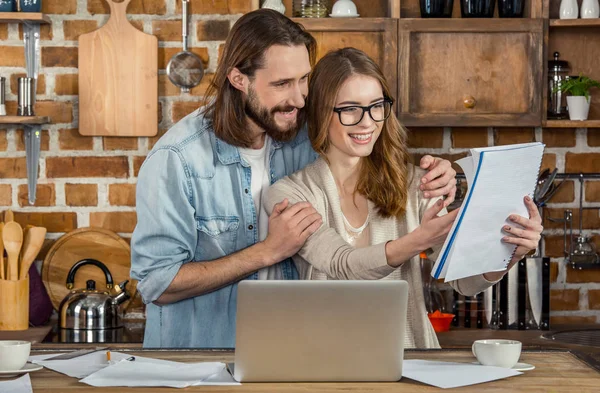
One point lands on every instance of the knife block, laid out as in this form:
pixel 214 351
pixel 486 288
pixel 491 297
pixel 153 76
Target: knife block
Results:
pixel 14 304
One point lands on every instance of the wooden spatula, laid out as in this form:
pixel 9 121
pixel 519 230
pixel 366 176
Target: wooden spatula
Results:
pixel 12 234
pixel 8 216
pixel 32 243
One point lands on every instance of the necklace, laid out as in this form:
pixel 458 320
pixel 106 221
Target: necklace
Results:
pixel 354 233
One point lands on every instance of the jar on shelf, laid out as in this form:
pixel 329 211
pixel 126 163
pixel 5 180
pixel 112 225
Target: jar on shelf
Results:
pixel 311 8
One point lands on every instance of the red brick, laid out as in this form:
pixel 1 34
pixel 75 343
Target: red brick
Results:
pixel 137 164
pixel 71 139
pixel 66 85
pixel 5 195
pixel 591 220
pixel 553 271
pixel 582 276
pixel 87 167
pixel 14 83
pixel 564 299
pixel 469 137
pixel 167 30
pixel 571 320
pixel 13 168
pixel 592 191
pixel 59 56
pixel 200 90
pixel 45 32
pixel 58 111
pixel 114 221
pixel 53 222
pixel 45 195
pixel 81 194
pixel 59 6
pixel 165 54
pixel 431 137
pixel 593 137
pixel 181 109
pixel 3 31
pixel 74 28
pixel 121 194
pixel 566 192
pixel 3 140
pixel 512 135
pixel 152 141
pixel 554 246
pixel 44 143
pixel 120 143
pixel 558 137
pixel 154 7
pixel 582 162
pixel 12 56
pixel 212 30
pixel 594 299
pixel 217 7
pixel 548 161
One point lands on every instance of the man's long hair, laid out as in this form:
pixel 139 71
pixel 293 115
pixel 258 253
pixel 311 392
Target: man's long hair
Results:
pixel 250 38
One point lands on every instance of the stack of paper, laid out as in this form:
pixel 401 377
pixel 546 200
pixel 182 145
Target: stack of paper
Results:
pixel 498 179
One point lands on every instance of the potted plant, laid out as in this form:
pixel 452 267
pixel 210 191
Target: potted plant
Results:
pixel 578 95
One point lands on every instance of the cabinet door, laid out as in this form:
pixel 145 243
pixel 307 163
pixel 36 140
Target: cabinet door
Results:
pixel 377 37
pixel 466 72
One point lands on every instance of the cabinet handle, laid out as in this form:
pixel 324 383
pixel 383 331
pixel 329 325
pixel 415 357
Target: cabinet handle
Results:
pixel 469 102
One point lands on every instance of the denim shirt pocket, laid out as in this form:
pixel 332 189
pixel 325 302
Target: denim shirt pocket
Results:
pixel 217 236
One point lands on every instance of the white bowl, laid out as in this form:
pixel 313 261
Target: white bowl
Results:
pixel 344 9
pixel 13 354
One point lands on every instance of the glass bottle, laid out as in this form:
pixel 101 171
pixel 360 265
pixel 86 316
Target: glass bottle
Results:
pixel 310 8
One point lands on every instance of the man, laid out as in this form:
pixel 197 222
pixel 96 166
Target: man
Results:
pixel 201 226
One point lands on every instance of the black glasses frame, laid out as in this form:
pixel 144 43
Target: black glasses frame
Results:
pixel 339 111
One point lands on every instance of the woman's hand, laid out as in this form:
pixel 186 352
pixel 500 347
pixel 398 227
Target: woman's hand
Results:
pixel 433 229
pixel 526 234
pixel 439 180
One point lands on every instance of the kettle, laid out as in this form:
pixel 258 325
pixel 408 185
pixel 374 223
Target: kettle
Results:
pixel 89 308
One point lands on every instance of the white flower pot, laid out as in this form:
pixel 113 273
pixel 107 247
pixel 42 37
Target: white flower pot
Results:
pixel 569 9
pixel 276 5
pixel 578 107
pixel 590 9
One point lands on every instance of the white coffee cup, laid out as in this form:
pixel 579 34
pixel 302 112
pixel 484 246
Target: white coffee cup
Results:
pixel 13 354
pixel 499 353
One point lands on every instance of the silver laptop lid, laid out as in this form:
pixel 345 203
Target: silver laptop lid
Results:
pixel 320 330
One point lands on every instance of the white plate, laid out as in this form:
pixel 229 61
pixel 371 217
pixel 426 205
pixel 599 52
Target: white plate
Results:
pixel 344 16
pixel 519 366
pixel 27 368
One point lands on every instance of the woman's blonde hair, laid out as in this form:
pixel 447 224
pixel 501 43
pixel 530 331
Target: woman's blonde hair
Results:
pixel 384 174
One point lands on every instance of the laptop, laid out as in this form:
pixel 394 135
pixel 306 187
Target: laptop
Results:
pixel 292 331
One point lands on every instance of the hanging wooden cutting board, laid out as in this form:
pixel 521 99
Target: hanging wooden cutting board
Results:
pixel 83 243
pixel 118 78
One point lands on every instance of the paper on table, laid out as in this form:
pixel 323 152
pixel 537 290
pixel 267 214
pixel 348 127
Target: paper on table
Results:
pixel 452 375
pixel 79 367
pixel 19 385
pixel 501 177
pixel 161 373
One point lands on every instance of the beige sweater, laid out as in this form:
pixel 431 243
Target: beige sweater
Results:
pixel 326 255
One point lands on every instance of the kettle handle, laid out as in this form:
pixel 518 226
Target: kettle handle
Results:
pixel 83 262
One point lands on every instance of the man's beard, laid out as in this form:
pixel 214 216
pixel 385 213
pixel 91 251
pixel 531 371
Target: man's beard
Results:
pixel 265 118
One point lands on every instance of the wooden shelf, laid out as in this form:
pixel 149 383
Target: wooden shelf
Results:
pixel 571 124
pixel 574 22
pixel 24 120
pixel 21 17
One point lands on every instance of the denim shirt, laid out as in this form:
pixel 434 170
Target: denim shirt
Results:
pixel 194 204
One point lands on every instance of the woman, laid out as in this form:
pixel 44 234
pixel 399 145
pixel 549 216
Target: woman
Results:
pixel 375 219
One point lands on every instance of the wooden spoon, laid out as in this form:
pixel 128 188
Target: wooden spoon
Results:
pixel 1 252
pixel 32 244
pixel 8 216
pixel 12 234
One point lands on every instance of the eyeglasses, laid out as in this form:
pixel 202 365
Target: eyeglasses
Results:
pixel 352 115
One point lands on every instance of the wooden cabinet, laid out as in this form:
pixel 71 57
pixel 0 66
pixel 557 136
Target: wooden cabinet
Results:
pixel 467 72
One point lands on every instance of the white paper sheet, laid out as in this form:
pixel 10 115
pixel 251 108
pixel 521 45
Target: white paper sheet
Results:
pixel 79 367
pixel 498 177
pixel 19 385
pixel 453 375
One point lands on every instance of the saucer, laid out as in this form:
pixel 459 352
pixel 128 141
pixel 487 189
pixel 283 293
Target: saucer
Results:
pixel 344 15
pixel 27 368
pixel 519 366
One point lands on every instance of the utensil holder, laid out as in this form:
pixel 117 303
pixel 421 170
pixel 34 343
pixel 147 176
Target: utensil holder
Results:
pixel 14 304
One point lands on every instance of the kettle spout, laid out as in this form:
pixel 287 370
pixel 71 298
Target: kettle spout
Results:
pixel 122 294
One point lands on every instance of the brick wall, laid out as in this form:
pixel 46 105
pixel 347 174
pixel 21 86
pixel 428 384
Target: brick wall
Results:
pixel 90 181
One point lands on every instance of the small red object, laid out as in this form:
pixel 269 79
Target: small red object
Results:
pixel 440 321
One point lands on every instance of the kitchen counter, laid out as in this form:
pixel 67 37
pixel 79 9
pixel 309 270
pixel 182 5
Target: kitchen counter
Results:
pixel 555 371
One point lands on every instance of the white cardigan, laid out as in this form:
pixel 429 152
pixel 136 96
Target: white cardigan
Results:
pixel 326 255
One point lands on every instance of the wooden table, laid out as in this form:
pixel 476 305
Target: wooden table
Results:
pixel 556 371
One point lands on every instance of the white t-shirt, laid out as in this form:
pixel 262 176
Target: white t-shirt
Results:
pixel 258 159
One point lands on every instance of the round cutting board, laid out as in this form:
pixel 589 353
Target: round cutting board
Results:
pixel 85 243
